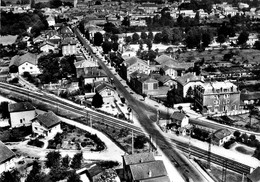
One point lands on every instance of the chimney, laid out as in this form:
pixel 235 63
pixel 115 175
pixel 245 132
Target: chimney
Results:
pixel 187 80
pixel 141 160
pixel 150 173
pixel 148 62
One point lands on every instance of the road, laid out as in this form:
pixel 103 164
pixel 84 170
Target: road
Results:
pixel 185 168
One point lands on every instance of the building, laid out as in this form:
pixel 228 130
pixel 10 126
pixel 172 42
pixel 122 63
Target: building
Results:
pixel 149 8
pixel 93 75
pixel 6 158
pixel 47 124
pixel 25 63
pixel 142 83
pixel 217 97
pixel 135 64
pixel 221 136
pixel 83 65
pixel 51 21
pixel 254 176
pixel 47 46
pixel 179 118
pixel 186 84
pixel 21 114
pixel 143 167
pixel 106 91
pixel 68 46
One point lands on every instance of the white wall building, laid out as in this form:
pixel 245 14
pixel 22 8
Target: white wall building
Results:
pixel 21 114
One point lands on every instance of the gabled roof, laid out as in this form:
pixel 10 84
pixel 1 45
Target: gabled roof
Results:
pixel 28 57
pixel 68 41
pixel 48 119
pixel 157 179
pixel 84 63
pixel 133 60
pixel 103 86
pixel 255 175
pixel 164 78
pixel 5 153
pixel 95 72
pixel 250 96
pixel 148 170
pixel 163 59
pixel 19 107
pixel 178 116
pixel 221 133
pixel 47 43
pixel 65 30
pixel 138 158
pixel 189 77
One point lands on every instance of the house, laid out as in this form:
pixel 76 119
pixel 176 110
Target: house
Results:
pixel 217 97
pixel 181 119
pixel 21 114
pixel 82 65
pixel 93 75
pixel 248 98
pixel 135 64
pixel 47 124
pixel 51 21
pixel 254 176
pixel 143 167
pixel 47 46
pixel 6 158
pixel 65 32
pixel 25 63
pixel 186 84
pixel 221 136
pixel 142 83
pixel 149 8
pixel 106 91
pixel 68 46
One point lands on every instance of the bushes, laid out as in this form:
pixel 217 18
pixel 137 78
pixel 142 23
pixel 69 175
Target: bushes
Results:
pixel 100 144
pixel 36 143
pixel 227 145
pixel 140 141
pixel 200 134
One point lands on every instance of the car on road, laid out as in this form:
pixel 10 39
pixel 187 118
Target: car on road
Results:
pixel 131 92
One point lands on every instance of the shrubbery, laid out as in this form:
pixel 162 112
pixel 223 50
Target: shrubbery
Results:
pixel 36 142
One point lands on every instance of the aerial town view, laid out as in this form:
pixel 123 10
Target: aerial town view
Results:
pixel 130 91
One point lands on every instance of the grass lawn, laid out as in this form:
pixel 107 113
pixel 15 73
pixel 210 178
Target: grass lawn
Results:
pixel 217 172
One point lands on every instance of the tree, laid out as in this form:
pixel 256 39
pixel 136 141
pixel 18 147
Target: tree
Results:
pixel 3 3
pixel 176 36
pixel 157 38
pixel 126 21
pixel 106 46
pixel 150 35
pixel 67 66
pixel 149 44
pixel 141 42
pixel 74 177
pixel 143 35
pixel 115 46
pixel 76 161
pixel 197 18
pixel 97 100
pixel 170 98
pixel 53 159
pixel 242 38
pixel 237 134
pixel 206 38
pixel 252 137
pixel 10 176
pixel 135 38
pixel 257 45
pixel 65 161
pixel 49 65
pixel 128 39
pixel 221 39
pixel 114 38
pixel 35 173
pixel 166 35
pixel 139 141
pixel 98 39
pixel 193 38
pixel 4 110
pixel 244 138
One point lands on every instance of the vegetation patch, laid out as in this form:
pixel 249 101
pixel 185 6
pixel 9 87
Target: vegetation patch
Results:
pixel 244 150
pixel 15 134
pixel 36 142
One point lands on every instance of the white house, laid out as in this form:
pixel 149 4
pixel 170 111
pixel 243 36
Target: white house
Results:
pixel 25 63
pixel 21 114
pixel 6 158
pixel 106 91
pixel 221 136
pixel 51 21
pixel 180 119
pixel 47 47
pixel 47 124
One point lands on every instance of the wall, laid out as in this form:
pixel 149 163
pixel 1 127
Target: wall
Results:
pixel 25 116
pixel 28 67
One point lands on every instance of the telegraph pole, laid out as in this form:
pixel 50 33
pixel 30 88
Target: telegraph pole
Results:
pixel 132 142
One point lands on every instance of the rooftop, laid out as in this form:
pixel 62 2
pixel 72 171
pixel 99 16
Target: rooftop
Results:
pixel 221 133
pixel 178 115
pixel 189 77
pixel 48 119
pixel 5 153
pixel 21 106
pixel 138 158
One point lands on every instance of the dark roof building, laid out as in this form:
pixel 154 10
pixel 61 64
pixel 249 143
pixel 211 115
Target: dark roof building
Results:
pixel 254 176
pixel 5 153
pixel 21 106
pixel 137 158
pixel 48 119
